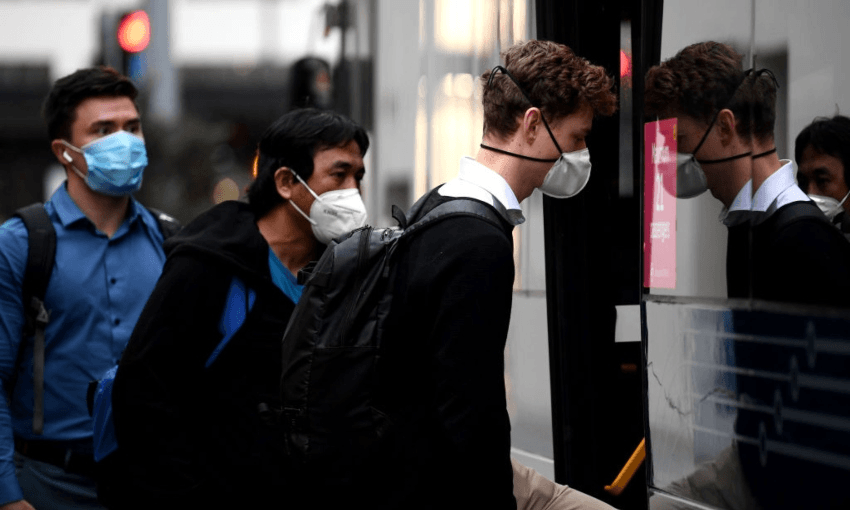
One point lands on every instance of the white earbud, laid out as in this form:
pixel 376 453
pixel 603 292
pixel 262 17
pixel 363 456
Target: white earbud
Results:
pixel 67 156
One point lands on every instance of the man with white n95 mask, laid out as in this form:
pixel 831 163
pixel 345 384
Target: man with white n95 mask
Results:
pixel 207 351
pixel 822 151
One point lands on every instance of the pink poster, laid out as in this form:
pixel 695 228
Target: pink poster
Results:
pixel 659 205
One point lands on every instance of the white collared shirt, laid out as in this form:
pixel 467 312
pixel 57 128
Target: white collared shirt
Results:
pixel 741 207
pixel 778 190
pixel 475 180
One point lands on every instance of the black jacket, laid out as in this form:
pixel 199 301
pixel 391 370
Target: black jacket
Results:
pixel 191 436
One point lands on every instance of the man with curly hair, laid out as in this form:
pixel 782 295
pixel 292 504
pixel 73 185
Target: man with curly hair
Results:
pixel 725 121
pixel 442 373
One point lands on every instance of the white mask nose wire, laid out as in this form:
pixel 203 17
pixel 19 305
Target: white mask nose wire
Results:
pixel 311 220
pixel 844 199
pixel 305 185
pixel 306 216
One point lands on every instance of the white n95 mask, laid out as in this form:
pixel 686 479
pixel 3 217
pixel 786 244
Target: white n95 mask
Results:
pixel 569 175
pixel 829 206
pixel 333 213
pixel 690 177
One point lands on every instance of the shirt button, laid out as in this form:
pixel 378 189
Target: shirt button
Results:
pixel 112 281
pixel 117 321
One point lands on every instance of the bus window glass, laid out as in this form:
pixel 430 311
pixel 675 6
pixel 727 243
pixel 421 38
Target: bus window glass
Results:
pixel 747 387
pixel 697 191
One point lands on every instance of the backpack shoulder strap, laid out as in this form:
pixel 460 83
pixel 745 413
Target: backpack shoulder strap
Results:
pixel 168 225
pixel 457 207
pixel 40 258
pixel 797 211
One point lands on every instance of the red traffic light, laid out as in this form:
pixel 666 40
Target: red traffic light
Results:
pixel 134 32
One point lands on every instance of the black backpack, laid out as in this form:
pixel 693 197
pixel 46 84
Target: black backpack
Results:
pixel 332 344
pixel 40 258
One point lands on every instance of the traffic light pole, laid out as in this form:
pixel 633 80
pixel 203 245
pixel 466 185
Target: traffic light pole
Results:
pixel 165 102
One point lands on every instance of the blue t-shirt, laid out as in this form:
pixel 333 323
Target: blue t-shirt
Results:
pixel 240 299
pixel 284 279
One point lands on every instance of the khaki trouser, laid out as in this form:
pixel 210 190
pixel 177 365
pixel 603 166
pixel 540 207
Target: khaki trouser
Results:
pixel 534 491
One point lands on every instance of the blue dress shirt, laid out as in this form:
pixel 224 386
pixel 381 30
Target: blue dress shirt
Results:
pixel 96 292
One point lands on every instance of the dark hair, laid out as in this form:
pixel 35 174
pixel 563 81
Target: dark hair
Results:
pixel 292 141
pixel 706 77
pixel 60 106
pixel 555 79
pixel 827 136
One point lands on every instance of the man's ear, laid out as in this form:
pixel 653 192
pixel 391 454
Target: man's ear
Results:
pixel 531 123
pixel 62 153
pixel 727 123
pixel 284 181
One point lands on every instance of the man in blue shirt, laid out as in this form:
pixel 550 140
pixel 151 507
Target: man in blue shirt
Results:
pixel 108 259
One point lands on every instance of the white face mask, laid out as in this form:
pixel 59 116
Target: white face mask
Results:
pixel 569 175
pixel 828 205
pixel 571 171
pixel 334 213
pixel 690 177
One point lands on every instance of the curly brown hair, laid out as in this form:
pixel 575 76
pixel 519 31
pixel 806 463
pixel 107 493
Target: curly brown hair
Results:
pixel 706 77
pixel 555 79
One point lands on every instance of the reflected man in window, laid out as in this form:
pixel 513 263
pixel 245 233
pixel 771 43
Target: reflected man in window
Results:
pixel 822 151
pixel 725 142
pixel 726 145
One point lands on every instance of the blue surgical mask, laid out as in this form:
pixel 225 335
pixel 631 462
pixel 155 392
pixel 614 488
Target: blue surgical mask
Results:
pixel 115 163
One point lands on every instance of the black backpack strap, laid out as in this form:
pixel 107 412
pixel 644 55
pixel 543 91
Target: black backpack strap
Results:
pixel 168 225
pixel 399 216
pixel 789 214
pixel 458 207
pixel 40 257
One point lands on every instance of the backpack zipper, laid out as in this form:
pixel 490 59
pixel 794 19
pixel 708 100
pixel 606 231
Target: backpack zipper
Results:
pixel 365 235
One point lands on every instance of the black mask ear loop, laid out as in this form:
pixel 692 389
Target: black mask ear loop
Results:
pixel 705 135
pixel 714 119
pixel 713 161
pixel 519 87
pixel 776 84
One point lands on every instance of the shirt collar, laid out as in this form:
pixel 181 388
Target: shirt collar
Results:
pixel 66 208
pixel 475 180
pixel 740 209
pixel 69 213
pixel 778 190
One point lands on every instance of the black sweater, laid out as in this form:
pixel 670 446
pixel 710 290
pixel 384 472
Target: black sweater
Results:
pixel 442 371
pixel 795 256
